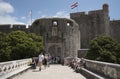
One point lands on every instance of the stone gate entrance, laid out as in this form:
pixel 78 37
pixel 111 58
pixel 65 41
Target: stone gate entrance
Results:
pixel 55 49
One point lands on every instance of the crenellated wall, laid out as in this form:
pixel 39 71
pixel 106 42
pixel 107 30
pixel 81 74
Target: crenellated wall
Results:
pixel 92 24
pixel 7 28
pixel 115 29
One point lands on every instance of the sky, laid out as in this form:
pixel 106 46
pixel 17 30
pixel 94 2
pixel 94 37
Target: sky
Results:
pixel 18 11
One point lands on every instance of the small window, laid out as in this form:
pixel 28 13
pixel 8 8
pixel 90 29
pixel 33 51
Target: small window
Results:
pixel 36 22
pixel 47 35
pixel 55 23
pixel 68 24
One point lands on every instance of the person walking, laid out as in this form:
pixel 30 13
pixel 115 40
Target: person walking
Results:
pixel 40 60
pixel 49 60
pixel 45 61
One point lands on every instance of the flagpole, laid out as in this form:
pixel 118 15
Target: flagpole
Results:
pixel 78 5
pixel 31 17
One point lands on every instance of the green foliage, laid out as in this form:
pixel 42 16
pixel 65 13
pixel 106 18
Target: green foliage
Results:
pixel 4 48
pixel 104 48
pixel 19 45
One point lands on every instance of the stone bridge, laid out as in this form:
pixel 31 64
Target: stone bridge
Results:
pixel 21 69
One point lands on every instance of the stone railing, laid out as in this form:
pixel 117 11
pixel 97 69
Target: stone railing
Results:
pixel 10 68
pixel 111 71
pixel 82 52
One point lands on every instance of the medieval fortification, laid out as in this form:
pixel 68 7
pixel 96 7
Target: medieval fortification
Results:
pixel 64 37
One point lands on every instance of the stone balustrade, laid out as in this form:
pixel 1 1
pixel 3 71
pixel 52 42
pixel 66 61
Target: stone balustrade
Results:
pixel 82 52
pixel 110 70
pixel 8 69
pixel 97 69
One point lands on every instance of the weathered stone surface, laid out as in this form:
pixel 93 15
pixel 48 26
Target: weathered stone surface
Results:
pixel 7 28
pixel 92 24
pixel 106 69
pixel 53 72
pixel 61 36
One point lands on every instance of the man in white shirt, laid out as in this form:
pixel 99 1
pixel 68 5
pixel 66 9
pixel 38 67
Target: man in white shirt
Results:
pixel 40 59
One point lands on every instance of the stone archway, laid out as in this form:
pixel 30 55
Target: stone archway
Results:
pixel 55 49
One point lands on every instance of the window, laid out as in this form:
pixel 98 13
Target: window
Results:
pixel 55 23
pixel 47 35
pixel 68 24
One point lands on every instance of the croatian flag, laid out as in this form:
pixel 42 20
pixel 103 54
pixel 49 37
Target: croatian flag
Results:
pixel 74 5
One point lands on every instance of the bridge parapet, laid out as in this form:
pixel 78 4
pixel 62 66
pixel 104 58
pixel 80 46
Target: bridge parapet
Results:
pixel 106 69
pixel 10 68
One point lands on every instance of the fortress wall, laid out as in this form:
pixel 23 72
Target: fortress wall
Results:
pixel 17 26
pixel 58 33
pixel 100 21
pixel 20 27
pixel 83 21
pixel 77 14
pixel 115 29
pixel 92 24
pixel 5 28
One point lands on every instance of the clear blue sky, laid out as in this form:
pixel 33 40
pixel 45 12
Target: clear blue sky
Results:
pixel 17 11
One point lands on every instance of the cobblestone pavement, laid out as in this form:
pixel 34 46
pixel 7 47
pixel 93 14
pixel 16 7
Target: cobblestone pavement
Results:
pixel 52 72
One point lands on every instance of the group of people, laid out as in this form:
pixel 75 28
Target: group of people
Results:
pixel 55 60
pixel 77 63
pixel 43 59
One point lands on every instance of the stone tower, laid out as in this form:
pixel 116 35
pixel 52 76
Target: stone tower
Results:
pixel 92 24
pixel 61 35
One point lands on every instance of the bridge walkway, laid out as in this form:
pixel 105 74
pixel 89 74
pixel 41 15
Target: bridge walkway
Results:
pixel 52 72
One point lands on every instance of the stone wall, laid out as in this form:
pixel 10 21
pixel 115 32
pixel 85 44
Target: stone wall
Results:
pixel 95 23
pixel 112 71
pixel 7 28
pixel 115 29
pixel 92 24
pixel 82 53
pixel 61 35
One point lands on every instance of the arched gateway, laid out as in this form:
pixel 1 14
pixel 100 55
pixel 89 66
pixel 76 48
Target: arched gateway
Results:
pixel 61 35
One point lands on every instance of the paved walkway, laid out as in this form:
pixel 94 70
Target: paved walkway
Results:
pixel 52 72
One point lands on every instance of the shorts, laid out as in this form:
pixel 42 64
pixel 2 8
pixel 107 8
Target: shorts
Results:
pixel 39 64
